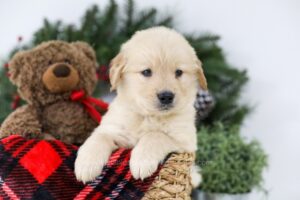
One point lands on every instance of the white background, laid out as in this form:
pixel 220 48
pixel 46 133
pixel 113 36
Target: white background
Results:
pixel 259 35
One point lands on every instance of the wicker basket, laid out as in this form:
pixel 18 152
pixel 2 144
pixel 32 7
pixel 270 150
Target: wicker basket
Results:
pixel 174 180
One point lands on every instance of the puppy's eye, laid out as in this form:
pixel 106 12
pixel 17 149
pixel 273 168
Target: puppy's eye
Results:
pixel 67 61
pixel 147 72
pixel 178 73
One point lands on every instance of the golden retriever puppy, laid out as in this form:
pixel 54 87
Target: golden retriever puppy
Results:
pixel 156 75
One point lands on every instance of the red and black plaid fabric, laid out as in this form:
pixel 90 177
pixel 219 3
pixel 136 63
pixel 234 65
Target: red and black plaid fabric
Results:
pixel 38 169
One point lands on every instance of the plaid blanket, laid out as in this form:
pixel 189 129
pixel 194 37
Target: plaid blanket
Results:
pixel 39 169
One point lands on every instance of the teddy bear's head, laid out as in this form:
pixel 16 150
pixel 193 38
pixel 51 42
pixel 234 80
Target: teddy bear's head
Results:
pixel 52 70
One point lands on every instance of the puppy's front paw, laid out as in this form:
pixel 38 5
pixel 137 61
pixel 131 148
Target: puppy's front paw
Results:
pixel 89 163
pixel 143 165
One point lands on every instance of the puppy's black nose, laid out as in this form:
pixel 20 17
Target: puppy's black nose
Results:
pixel 165 97
pixel 61 71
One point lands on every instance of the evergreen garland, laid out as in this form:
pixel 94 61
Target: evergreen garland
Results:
pixel 107 28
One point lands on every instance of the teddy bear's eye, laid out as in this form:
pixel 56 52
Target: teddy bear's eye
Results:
pixel 50 62
pixel 67 61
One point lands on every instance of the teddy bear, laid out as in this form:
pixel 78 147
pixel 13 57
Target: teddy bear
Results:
pixel 56 79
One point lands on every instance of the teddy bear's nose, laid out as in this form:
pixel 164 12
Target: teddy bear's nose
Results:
pixel 61 71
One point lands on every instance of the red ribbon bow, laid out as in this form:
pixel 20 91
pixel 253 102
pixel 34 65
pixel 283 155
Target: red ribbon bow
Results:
pixel 89 104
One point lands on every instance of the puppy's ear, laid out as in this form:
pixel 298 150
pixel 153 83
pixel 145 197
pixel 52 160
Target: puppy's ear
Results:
pixel 201 76
pixel 116 67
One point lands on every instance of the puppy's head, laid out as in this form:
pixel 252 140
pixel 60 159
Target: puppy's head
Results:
pixel 157 72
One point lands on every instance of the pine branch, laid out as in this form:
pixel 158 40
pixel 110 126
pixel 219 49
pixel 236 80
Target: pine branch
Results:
pixel 49 31
pixel 167 21
pixel 129 10
pixel 146 19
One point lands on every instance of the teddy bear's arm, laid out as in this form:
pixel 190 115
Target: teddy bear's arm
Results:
pixel 23 121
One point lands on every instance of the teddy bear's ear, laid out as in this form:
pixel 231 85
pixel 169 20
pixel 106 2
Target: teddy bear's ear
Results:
pixel 87 50
pixel 15 66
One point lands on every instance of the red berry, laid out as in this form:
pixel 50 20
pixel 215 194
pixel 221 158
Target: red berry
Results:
pixel 103 68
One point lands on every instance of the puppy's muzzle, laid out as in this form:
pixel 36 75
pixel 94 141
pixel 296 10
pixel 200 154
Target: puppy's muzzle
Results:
pixel 166 99
pixel 60 77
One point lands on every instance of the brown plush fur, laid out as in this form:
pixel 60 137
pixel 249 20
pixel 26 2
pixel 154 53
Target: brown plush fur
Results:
pixel 49 109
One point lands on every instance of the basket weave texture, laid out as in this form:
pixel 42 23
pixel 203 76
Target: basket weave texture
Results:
pixel 173 180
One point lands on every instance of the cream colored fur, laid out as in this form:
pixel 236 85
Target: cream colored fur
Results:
pixel 134 119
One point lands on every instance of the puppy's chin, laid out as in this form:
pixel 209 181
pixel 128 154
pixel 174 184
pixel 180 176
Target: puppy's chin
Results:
pixel 147 108
pixel 165 108
pixel 161 110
